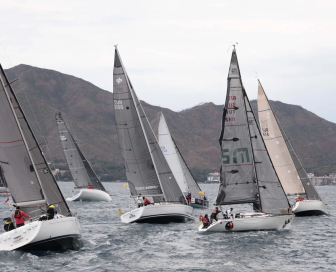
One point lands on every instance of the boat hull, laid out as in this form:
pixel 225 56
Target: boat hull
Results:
pixel 309 208
pixel 60 233
pixel 159 214
pixel 199 203
pixel 91 195
pixel 250 222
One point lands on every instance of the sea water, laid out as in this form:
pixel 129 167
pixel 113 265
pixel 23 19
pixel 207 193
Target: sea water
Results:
pixel 110 245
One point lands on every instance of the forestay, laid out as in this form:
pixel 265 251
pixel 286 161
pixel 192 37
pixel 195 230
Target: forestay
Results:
pixel 81 171
pixel 291 173
pixel 146 168
pixel 247 173
pixel 26 171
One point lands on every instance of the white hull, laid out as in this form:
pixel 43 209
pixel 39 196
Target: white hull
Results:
pixel 57 234
pixel 251 222
pixel 309 207
pixel 91 195
pixel 159 213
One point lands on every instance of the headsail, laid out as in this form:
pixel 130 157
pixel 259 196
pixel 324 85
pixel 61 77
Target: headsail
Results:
pixel 175 160
pixel 247 173
pixel 146 167
pixel 291 173
pixel 169 151
pixel 80 168
pixel 27 173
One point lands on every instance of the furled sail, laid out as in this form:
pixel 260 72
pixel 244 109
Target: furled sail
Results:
pixel 81 171
pixel 147 170
pixel 247 173
pixel 175 160
pixel 27 173
pixel 168 148
pixel 291 173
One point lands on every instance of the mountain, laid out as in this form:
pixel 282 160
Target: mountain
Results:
pixel 88 112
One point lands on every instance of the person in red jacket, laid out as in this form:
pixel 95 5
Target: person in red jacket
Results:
pixel 206 221
pixel 18 216
pixel 146 201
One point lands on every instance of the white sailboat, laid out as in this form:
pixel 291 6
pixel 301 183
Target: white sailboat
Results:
pixel 147 170
pixel 247 173
pixel 31 183
pixel 179 167
pixel 88 185
pixel 292 175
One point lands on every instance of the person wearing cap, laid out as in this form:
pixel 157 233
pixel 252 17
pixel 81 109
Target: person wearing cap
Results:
pixel 19 217
pixel 229 212
pixel 213 216
pixel 140 201
pixel 51 212
pixel 9 225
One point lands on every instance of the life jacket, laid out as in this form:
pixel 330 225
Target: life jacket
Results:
pixel 8 222
pixel 205 220
pixel 90 187
pixel 17 214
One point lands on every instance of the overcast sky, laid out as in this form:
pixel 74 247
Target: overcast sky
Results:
pixel 177 52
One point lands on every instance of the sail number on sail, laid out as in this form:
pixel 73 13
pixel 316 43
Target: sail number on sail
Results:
pixel 118 105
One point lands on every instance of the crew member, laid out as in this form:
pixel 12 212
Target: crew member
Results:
pixel 188 197
pixel 229 212
pixel 51 212
pixel 298 198
pixel 19 217
pixel 214 214
pixel 140 201
pixel 206 221
pixel 146 201
pixel 9 225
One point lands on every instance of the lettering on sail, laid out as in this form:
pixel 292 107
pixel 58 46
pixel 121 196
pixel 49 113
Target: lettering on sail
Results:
pixel 231 112
pixel 118 105
pixel 264 127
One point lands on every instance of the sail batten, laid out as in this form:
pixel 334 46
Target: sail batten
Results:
pixel 247 173
pixel 151 175
pixel 292 175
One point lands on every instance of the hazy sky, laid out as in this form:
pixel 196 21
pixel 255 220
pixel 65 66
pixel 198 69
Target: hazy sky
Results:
pixel 177 52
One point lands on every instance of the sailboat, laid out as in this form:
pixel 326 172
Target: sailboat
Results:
pixel 31 183
pixel 247 173
pixel 148 173
pixel 86 181
pixel 293 176
pixel 179 167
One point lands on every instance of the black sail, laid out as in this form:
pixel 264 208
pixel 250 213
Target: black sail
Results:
pixel 25 168
pixel 147 170
pixel 247 173
pixel 81 171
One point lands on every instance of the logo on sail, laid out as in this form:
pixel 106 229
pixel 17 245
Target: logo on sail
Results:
pixel 229 225
pixel 264 127
pixel 63 138
pixel 119 80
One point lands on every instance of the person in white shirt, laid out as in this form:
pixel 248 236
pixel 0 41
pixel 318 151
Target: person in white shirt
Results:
pixel 140 201
pixel 229 212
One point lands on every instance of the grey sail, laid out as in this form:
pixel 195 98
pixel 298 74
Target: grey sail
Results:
pixel 292 173
pixel 26 171
pixel 192 184
pixel 247 173
pixel 146 168
pixel 81 171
